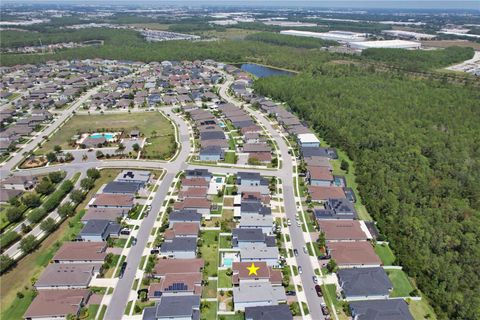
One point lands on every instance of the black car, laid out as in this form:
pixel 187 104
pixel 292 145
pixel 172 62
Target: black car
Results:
pixel 295 252
pixel 154 251
pixel 290 293
pixel 318 289
pixel 325 310
pixel 122 269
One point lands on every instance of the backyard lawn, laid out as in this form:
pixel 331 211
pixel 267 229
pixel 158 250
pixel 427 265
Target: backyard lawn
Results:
pixel 385 254
pixel 401 284
pixel 230 157
pixel 224 280
pixel 209 252
pixel 210 291
pixel 208 310
pixel 146 122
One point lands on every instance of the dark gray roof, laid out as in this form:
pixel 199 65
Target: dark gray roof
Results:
pixel 254 234
pixel 185 215
pixel 212 135
pixel 395 309
pixel 211 151
pixel 180 244
pixel 248 175
pixel 327 214
pixel 243 124
pixel 122 187
pixel 340 206
pixel 95 227
pixel 364 281
pixel 255 207
pixel 314 152
pixel 279 312
pixel 198 173
pixel 177 306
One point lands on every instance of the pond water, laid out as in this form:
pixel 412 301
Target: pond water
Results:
pixel 263 71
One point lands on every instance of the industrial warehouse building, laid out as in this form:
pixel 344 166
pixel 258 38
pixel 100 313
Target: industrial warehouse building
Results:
pixel 394 44
pixel 342 36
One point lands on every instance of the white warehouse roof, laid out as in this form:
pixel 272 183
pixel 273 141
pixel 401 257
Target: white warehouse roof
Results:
pixel 398 44
pixel 331 35
pixel 307 138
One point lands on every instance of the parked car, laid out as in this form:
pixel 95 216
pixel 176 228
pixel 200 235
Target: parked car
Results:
pixel 315 280
pixel 324 309
pixel 154 251
pixel 134 241
pixel 305 250
pixel 289 222
pixel 125 231
pixel 300 271
pixel 324 257
pixel 295 252
pixel 290 293
pixel 122 269
pixel 318 289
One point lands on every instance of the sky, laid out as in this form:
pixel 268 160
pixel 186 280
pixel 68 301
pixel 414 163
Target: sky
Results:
pixel 434 4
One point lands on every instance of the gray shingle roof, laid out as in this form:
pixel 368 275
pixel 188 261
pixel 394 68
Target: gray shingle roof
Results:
pixel 364 281
pixel 180 245
pixel 395 309
pixel 121 187
pixel 177 306
pixel 279 312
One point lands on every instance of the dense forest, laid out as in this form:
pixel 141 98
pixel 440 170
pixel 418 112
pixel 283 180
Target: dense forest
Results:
pixel 419 60
pixel 416 145
pixel 292 41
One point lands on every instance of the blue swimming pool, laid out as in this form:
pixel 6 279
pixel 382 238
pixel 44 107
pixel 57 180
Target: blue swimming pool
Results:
pixel 219 180
pixel 227 262
pixel 107 135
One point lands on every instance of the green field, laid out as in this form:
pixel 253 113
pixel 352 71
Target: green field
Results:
pixel 209 252
pixel 153 125
pixel 385 254
pixel 401 284
pixel 224 280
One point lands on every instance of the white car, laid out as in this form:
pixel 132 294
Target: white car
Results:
pixel 289 222
pixel 300 271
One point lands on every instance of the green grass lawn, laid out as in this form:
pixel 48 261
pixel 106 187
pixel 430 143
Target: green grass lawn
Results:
pixel 120 242
pixel 146 122
pixel 225 242
pixel 210 291
pixel 209 310
pixel 385 254
pixel 92 311
pixel 102 312
pixel 401 284
pixel 209 252
pixel 19 306
pixel 237 316
pixel 230 157
pixel 224 280
pixel 421 309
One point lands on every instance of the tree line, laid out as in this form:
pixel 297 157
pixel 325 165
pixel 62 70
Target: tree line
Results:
pixel 416 145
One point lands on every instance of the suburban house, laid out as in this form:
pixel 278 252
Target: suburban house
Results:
pixel 81 252
pixel 136 176
pixel 173 266
pixel 57 304
pixel 118 187
pixel 182 229
pixel 319 176
pixel 67 276
pixel 180 248
pixel 250 179
pixel 103 200
pixel 100 230
pixel 20 182
pixel 364 283
pixel 264 223
pixel 343 230
pixel 265 273
pixel 200 193
pixel 176 284
pixel 256 294
pixel 177 307
pixel 242 238
pixel 199 173
pixel 212 153
pixel 184 216
pixel 278 312
pixel 353 254
pixel 110 214
pixel 260 252
pixel 307 140
pixel 324 193
pixel 200 205
pixel 390 309
pixel 194 183
pixel 338 208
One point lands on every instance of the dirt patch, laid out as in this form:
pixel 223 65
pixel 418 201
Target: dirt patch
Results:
pixel 450 43
pixel 34 162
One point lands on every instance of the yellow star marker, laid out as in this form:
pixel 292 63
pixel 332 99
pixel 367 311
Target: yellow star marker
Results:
pixel 252 269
